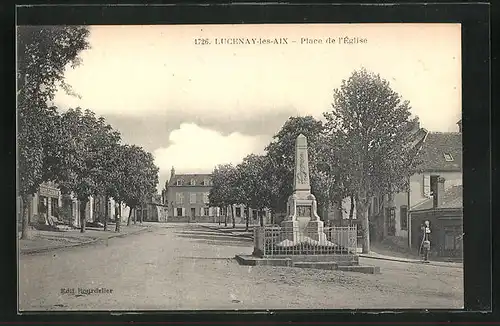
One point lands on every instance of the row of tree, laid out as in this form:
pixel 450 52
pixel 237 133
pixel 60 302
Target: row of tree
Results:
pixel 360 150
pixel 75 149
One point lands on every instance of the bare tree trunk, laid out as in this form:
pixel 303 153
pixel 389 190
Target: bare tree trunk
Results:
pixel 385 216
pixel 135 215
pixel 247 217
pixel 338 210
pixel 118 218
pixel 129 215
pixel 106 213
pixel 83 220
pixel 225 216
pixel 391 205
pixel 351 211
pixel 232 216
pixel 261 216
pixel 219 217
pixel 362 214
pixel 25 228
pixel 326 210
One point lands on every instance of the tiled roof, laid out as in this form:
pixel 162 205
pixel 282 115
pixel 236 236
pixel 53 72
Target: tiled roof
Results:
pixel 186 178
pixel 434 148
pixel 453 198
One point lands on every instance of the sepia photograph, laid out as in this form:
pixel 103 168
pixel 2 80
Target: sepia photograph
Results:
pixel 239 167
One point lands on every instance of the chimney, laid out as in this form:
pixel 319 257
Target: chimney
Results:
pixel 172 172
pixel 416 126
pixel 439 193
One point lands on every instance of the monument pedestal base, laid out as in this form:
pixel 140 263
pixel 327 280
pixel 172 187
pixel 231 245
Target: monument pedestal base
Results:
pixel 311 233
pixel 290 231
pixel 315 231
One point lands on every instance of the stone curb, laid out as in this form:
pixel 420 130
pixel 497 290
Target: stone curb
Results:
pixel 456 265
pixel 78 244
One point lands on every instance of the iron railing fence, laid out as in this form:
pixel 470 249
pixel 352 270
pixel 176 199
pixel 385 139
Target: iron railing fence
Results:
pixel 277 241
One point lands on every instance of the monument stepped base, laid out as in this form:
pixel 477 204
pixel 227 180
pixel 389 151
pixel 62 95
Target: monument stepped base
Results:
pixel 345 263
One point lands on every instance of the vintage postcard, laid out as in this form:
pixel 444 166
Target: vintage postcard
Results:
pixel 248 167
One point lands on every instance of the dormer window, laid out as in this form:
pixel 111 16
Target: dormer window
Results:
pixel 192 182
pixel 448 157
pixel 179 182
pixel 206 182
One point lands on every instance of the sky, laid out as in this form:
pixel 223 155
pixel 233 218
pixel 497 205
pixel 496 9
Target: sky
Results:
pixel 195 105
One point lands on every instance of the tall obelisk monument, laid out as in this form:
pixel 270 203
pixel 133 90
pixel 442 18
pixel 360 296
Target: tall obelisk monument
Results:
pixel 303 222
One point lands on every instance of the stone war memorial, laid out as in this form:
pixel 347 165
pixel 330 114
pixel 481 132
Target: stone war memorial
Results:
pixel 302 240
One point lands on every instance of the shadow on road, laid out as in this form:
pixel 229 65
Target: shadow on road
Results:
pixel 212 237
pixel 208 258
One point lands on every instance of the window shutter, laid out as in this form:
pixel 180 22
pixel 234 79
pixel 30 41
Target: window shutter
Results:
pixel 210 211
pixel 202 211
pixel 175 211
pixel 183 211
pixel 427 185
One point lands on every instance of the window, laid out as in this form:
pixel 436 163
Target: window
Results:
pixel 449 241
pixel 205 198
pixel 403 217
pixel 192 182
pixel 179 198
pixel 206 182
pixel 206 211
pixel 452 238
pixel 238 211
pixel 192 198
pixel 448 157
pixel 179 182
pixel 179 211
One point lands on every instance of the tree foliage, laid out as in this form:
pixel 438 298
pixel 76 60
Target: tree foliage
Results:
pixel 257 183
pixel 225 189
pixel 281 151
pixel 43 54
pixel 371 125
pixel 140 175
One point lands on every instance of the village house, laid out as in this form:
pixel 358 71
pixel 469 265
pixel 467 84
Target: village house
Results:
pixel 49 205
pixel 440 157
pixel 186 200
pixel 444 211
pixel 152 211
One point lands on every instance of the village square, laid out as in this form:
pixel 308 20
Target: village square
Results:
pixel 357 205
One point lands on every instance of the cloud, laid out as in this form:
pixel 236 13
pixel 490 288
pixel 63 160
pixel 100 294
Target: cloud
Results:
pixel 152 131
pixel 194 149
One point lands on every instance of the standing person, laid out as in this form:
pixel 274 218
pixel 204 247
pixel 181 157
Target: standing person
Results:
pixel 426 243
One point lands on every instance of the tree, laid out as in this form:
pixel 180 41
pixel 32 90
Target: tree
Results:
pixel 371 125
pixel 256 184
pixel 224 191
pixel 85 160
pixel 140 176
pixel 42 56
pixel 106 147
pixel 281 151
pixel 118 185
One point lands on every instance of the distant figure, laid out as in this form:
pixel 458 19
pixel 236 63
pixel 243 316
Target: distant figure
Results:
pixel 425 246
